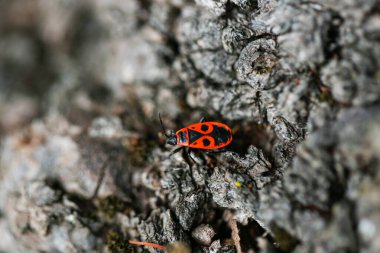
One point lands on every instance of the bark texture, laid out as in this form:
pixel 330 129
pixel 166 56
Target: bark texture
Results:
pixel 85 168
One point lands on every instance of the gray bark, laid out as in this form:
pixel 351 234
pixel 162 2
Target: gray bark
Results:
pixel 83 163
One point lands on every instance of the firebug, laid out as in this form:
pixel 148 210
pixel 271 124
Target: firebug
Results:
pixel 209 135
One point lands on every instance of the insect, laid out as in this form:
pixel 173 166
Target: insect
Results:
pixel 202 135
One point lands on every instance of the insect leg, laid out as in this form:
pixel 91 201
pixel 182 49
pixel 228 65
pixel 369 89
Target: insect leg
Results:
pixel 188 151
pixel 215 151
pixel 176 150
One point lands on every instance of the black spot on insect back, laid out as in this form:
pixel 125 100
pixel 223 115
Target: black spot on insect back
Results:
pixel 220 134
pixel 206 142
pixel 204 127
pixel 194 135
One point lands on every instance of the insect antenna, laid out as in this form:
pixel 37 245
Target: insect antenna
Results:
pixel 163 127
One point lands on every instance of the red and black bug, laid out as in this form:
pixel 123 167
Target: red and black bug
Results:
pixel 203 135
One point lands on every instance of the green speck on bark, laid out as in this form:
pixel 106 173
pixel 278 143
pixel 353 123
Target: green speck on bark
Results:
pixel 111 205
pixel 286 242
pixel 116 243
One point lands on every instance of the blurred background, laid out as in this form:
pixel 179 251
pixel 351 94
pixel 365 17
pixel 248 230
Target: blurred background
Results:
pixel 83 161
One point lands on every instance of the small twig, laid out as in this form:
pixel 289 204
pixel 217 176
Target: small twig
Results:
pixel 235 234
pixel 149 244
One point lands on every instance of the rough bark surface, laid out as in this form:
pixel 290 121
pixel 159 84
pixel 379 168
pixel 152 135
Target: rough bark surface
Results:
pixel 83 163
